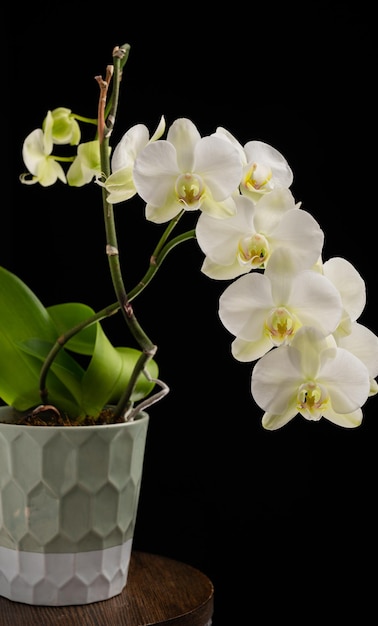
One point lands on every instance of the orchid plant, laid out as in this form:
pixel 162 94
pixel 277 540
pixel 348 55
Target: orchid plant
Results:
pixel 293 314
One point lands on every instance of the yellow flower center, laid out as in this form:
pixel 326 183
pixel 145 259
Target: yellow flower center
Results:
pixel 257 177
pixel 253 250
pixel 189 190
pixel 312 399
pixel 281 325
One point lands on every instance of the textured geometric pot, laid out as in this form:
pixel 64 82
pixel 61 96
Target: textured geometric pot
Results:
pixel 68 506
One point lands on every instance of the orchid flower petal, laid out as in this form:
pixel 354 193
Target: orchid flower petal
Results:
pixel 155 172
pixel 184 136
pixel 65 129
pixel 349 283
pixel 218 163
pixel 36 152
pixel 270 421
pixel 87 164
pixel 363 343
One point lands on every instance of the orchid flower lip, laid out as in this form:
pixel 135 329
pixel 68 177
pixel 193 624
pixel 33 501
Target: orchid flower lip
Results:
pixel 257 177
pixel 280 324
pixel 189 189
pixel 313 399
pixel 253 250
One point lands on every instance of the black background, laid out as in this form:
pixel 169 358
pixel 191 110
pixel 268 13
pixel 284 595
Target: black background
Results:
pixel 284 523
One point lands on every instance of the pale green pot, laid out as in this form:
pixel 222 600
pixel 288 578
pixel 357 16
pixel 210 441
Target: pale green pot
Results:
pixel 68 507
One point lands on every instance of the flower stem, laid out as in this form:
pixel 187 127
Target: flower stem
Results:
pixel 107 110
pixel 87 120
pixel 105 127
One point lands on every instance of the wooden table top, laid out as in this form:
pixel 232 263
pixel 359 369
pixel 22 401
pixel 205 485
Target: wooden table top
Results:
pixel 159 591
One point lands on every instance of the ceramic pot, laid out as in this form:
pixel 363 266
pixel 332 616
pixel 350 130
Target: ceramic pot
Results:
pixel 68 506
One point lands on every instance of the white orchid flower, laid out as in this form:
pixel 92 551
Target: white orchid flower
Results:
pixel 245 241
pixel 187 172
pixel 351 287
pixel 264 167
pixel 36 153
pixel 120 183
pixel 87 164
pixel 66 129
pixel 363 343
pixel 313 377
pixel 266 310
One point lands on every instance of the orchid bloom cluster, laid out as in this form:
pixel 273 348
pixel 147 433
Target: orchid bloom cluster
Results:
pixel 293 315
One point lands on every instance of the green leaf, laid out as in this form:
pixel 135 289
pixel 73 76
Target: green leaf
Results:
pixel 65 376
pixel 22 316
pixel 144 386
pixel 67 316
pixel 28 331
pixel 109 369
